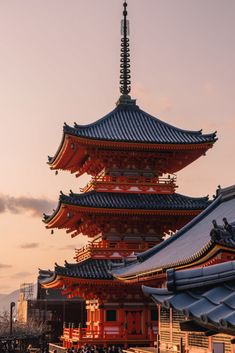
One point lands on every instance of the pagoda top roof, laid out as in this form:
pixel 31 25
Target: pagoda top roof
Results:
pixel 191 242
pixel 204 295
pixel 91 269
pixel 128 123
pixel 125 201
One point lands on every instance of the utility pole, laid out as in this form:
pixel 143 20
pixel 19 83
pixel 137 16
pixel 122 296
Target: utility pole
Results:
pixel 12 305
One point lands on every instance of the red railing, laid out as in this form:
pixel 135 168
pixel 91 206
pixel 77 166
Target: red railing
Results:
pixel 130 180
pixel 87 250
pixel 83 334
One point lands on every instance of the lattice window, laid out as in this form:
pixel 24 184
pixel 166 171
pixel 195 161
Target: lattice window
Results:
pixel 198 340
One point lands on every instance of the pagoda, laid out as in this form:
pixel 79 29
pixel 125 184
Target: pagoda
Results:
pixel 127 207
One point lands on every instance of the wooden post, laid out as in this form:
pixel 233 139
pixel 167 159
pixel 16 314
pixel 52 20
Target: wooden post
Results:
pixel 171 325
pixel 158 343
pixel 181 345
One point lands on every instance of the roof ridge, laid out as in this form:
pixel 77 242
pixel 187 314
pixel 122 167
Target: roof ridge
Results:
pixel 218 273
pixel 227 193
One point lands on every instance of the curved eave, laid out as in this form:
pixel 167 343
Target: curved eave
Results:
pixel 54 281
pixel 143 144
pixel 167 299
pixel 73 147
pixel 206 254
pixel 59 281
pixel 59 218
pixel 70 153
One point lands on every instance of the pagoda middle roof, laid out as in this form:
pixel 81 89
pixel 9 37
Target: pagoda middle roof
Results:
pixel 128 123
pixel 125 201
pixel 191 242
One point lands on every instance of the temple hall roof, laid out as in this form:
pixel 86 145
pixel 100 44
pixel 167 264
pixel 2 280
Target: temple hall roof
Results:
pixel 88 269
pixel 204 295
pixel 125 201
pixel 128 123
pixel 216 224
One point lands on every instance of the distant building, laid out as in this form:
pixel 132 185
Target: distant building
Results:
pixel 51 309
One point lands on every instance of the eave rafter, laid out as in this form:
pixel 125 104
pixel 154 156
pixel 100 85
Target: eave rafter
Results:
pixel 76 219
pixel 79 155
pixel 73 287
pixel 204 258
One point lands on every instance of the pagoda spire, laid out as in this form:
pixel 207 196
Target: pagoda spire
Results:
pixel 125 72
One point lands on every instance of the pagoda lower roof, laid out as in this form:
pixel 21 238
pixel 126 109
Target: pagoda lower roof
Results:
pixel 128 123
pixel 134 202
pixel 191 244
pixel 90 269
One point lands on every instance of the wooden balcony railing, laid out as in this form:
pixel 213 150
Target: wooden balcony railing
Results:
pixel 106 247
pixel 108 181
pixel 84 335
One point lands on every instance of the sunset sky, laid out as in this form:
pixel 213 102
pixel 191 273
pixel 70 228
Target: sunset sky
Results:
pixel 59 61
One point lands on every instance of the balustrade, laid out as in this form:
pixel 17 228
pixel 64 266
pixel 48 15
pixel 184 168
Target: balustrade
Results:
pixel 110 181
pixel 83 334
pixel 106 247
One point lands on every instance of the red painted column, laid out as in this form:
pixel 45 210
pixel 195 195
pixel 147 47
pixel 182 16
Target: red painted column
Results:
pixel 101 322
pixel 121 319
pixel 145 321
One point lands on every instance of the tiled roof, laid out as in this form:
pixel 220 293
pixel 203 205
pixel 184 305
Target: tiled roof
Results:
pixel 206 295
pixel 114 200
pixel 192 241
pixel 109 200
pixel 131 124
pixel 88 269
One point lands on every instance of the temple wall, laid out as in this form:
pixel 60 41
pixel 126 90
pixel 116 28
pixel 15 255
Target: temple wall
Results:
pixel 226 339
pixel 177 334
pixel 171 337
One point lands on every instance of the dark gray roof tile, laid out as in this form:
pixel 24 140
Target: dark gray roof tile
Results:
pixel 136 201
pixel 189 243
pixel 88 269
pixel 131 124
pixel 212 303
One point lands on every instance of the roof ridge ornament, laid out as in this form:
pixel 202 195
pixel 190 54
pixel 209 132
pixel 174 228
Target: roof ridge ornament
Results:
pixel 125 71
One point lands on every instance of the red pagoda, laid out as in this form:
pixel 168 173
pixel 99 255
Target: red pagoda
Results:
pixel 128 206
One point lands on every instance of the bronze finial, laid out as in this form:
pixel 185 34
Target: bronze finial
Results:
pixel 125 72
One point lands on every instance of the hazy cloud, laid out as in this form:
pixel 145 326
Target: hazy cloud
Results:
pixel 21 275
pixel 36 207
pixel 3 266
pixel 29 245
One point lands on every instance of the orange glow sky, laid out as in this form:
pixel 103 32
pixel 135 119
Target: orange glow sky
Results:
pixel 59 61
